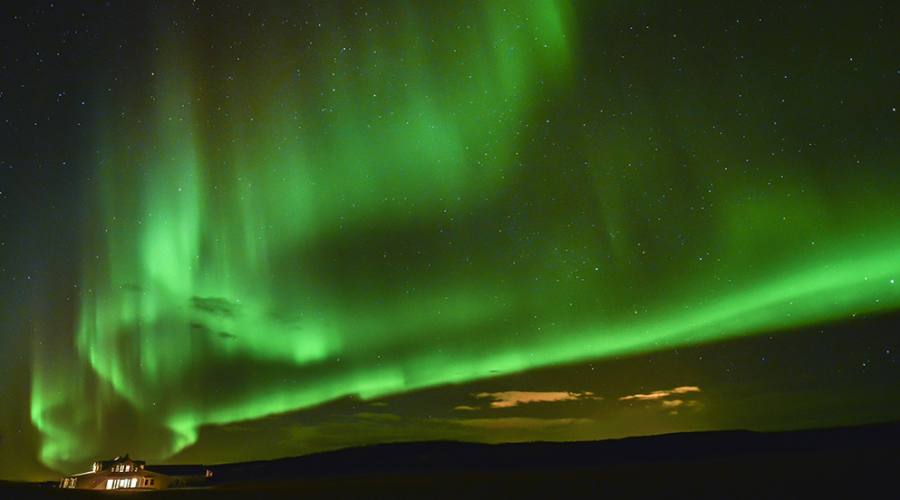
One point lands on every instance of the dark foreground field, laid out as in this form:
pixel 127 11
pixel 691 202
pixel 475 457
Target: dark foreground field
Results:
pixel 855 462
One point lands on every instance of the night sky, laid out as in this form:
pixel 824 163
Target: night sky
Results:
pixel 241 231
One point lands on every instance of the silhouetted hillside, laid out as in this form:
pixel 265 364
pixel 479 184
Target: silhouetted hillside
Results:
pixel 840 462
pixel 459 456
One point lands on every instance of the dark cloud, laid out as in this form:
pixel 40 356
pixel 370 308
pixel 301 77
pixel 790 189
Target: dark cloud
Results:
pixel 520 423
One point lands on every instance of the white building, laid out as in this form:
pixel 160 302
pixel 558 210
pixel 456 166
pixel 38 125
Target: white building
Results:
pixel 125 473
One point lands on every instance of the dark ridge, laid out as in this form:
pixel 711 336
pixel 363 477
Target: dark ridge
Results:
pixel 451 456
pixel 178 470
pixel 847 462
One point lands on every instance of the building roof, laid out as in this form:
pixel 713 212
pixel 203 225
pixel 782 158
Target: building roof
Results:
pixel 123 459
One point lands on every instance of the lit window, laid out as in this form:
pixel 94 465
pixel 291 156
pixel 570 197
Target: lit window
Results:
pixel 109 484
pixel 133 482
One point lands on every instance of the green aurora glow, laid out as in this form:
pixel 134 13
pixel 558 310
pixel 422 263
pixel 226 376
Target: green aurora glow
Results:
pixel 324 213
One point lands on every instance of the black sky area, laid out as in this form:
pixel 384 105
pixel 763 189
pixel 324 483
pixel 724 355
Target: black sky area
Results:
pixel 652 160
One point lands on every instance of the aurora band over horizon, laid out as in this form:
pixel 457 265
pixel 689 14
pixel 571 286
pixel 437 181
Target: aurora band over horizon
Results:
pixel 399 208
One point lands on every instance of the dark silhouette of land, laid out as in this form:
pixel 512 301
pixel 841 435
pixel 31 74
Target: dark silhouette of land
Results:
pixel 848 462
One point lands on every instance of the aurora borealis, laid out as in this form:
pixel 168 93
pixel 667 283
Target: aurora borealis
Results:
pixel 272 207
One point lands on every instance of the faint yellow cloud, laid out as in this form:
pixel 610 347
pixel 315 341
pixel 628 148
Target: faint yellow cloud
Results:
pixel 508 399
pixel 660 394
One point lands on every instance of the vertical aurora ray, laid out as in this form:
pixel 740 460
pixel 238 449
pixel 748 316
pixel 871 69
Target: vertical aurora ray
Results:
pixel 347 210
